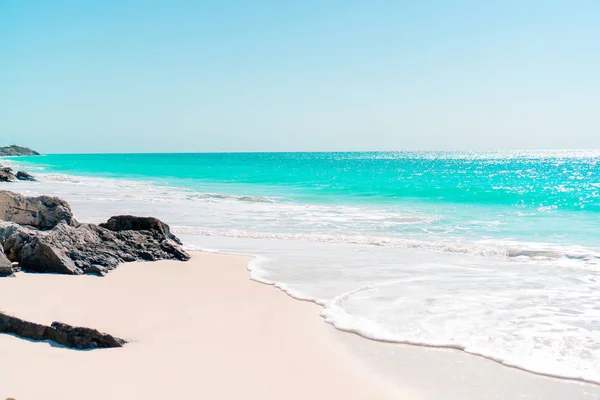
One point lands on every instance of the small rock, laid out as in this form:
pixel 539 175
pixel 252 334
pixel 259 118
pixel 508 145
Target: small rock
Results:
pixel 6 176
pixel 70 336
pixel 96 270
pixel 24 176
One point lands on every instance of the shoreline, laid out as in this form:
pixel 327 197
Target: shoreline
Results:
pixel 264 331
pixel 535 382
pixel 525 383
pixel 362 336
pixel 196 328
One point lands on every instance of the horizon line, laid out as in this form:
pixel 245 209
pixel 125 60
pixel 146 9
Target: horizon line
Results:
pixel 315 151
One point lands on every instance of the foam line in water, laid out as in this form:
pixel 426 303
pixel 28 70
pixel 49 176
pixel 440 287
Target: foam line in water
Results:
pixel 338 318
pixel 334 314
pixel 484 248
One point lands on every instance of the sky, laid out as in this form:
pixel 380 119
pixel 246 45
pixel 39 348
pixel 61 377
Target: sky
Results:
pixel 329 75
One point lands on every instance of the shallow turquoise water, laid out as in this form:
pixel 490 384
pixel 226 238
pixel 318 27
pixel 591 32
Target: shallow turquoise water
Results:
pixel 551 196
pixel 565 180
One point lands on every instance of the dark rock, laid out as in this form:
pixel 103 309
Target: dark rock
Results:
pixel 39 256
pixel 12 239
pixel 54 242
pixel 24 176
pixel 86 248
pixel 42 212
pixel 22 328
pixel 96 270
pixel 6 176
pixel 29 249
pixel 132 223
pixel 66 335
pixel 83 338
pixel 5 265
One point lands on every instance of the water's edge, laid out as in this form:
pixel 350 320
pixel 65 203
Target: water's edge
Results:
pixel 253 263
pixel 98 201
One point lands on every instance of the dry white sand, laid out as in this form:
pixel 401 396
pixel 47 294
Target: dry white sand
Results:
pixel 197 330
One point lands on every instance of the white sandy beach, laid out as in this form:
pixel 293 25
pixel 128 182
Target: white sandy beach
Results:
pixel 203 329
pixel 199 329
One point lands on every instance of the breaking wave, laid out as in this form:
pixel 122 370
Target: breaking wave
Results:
pixel 497 249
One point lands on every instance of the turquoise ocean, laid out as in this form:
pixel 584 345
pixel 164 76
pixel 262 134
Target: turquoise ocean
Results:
pixel 493 253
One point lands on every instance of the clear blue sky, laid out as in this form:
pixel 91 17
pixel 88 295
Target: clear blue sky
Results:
pixel 149 76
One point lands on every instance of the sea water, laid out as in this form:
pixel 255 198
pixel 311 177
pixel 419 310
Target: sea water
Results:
pixel 497 254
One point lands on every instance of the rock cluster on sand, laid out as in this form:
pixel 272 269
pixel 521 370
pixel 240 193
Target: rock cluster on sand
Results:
pixel 41 234
pixel 66 335
pixel 6 175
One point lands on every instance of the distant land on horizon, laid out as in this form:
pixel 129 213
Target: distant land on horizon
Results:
pixel 14 150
